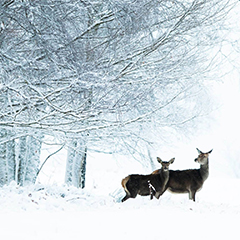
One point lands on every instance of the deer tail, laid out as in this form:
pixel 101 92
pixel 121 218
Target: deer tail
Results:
pixel 124 182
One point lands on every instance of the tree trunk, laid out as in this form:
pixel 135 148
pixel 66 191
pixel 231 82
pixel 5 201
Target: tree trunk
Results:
pixel 21 160
pixel 11 161
pixel 28 160
pixel 82 174
pixel 3 172
pixel 76 164
pixel 33 159
pixel 7 160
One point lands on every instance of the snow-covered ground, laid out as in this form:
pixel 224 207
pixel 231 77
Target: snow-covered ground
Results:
pixel 53 211
pixel 43 212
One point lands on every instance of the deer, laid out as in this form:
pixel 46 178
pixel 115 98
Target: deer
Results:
pixel 144 185
pixel 188 181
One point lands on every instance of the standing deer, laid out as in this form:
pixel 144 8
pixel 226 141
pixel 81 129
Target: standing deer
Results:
pixel 152 184
pixel 189 181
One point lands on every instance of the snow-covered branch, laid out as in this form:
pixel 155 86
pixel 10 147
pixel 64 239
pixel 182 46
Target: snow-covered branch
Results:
pixel 83 66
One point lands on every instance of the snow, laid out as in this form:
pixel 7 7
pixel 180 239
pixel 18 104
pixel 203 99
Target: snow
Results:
pixel 55 211
pixel 61 213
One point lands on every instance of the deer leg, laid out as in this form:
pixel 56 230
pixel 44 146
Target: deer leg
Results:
pixel 126 198
pixel 192 194
pixel 132 193
pixel 151 190
pixel 152 193
pixel 158 194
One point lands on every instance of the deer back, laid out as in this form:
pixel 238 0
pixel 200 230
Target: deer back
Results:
pixel 140 183
pixel 182 181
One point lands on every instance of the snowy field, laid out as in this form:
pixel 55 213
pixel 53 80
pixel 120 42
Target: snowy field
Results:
pixel 58 213
pixel 52 211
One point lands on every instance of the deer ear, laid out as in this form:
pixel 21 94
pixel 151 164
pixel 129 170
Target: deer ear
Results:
pixel 210 151
pixel 199 152
pixel 172 160
pixel 159 159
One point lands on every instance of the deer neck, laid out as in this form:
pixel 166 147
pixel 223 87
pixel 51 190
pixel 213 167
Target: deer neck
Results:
pixel 164 175
pixel 204 171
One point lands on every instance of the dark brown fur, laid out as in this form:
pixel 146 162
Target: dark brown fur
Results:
pixel 145 185
pixel 189 181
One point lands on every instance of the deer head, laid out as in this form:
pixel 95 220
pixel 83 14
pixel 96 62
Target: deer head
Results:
pixel 202 157
pixel 165 165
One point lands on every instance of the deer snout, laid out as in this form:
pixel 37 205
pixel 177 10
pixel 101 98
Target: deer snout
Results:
pixel 165 168
pixel 196 159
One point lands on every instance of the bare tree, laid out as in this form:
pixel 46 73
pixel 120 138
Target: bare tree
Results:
pixel 87 71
